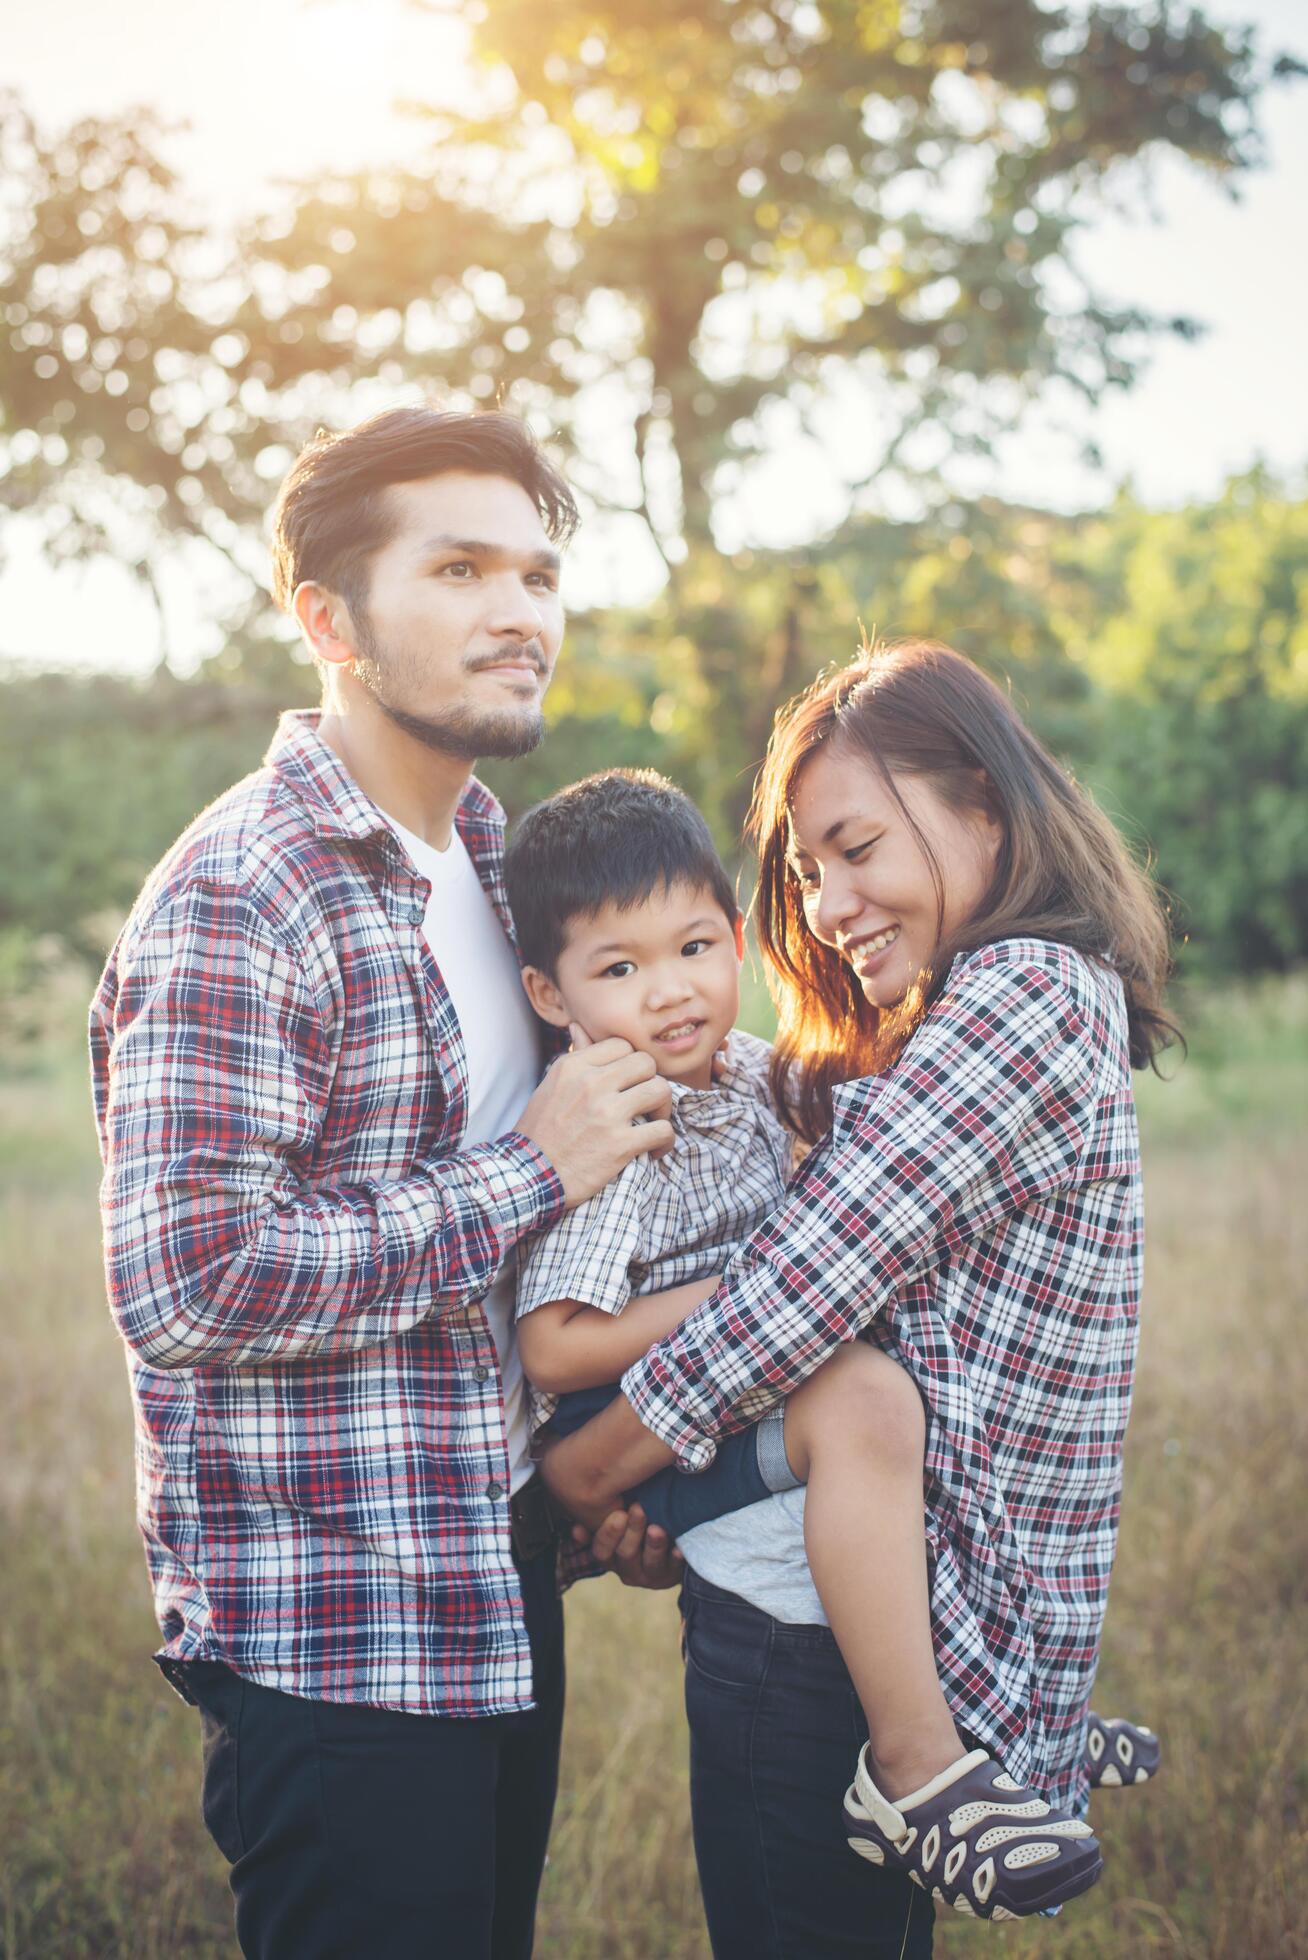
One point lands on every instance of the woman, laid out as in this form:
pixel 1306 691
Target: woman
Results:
pixel 957 1050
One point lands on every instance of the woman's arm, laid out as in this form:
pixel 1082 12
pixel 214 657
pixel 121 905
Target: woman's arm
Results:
pixel 566 1344
pixel 987 1109
pixel 589 1471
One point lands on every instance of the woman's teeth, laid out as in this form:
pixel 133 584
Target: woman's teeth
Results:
pixel 867 947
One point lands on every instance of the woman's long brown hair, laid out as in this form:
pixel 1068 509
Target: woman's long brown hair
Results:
pixel 1062 872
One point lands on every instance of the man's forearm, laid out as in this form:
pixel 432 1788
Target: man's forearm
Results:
pixel 313 1271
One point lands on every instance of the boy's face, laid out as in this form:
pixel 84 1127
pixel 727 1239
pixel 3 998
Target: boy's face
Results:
pixel 664 975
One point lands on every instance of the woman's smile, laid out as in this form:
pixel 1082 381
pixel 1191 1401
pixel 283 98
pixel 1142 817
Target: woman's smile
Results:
pixel 887 868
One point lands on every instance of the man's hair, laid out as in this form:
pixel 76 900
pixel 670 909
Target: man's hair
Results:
pixel 332 513
pixel 612 839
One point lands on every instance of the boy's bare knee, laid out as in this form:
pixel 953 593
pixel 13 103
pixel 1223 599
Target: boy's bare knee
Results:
pixel 861 1396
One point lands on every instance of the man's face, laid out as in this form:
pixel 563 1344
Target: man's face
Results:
pixel 461 628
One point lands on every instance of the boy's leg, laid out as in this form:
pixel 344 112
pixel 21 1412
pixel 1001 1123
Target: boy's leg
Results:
pixel 576 1406
pixel 749 1466
pixel 855 1434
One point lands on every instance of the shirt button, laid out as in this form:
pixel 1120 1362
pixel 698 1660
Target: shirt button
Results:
pixel 417 915
pixel 481 1374
pixel 494 1491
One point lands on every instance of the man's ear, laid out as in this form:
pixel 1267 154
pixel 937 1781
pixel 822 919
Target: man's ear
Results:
pixel 740 937
pixel 324 620
pixel 545 997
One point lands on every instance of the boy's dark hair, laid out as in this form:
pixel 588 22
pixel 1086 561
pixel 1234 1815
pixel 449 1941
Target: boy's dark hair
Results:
pixel 612 839
pixel 331 513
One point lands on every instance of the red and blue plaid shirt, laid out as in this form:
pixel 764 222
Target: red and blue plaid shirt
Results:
pixel 296 1247
pixel 977 1209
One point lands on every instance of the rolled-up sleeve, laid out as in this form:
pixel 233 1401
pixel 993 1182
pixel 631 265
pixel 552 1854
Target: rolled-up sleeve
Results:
pixel 589 1255
pixel 988 1107
pixel 214 1066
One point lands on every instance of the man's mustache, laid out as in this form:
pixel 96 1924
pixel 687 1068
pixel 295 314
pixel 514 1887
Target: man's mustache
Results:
pixel 531 650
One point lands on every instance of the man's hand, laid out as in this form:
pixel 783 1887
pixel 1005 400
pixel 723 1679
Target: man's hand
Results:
pixel 584 1116
pixel 640 1555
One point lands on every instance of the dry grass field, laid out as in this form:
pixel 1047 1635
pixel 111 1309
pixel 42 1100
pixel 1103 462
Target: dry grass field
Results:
pixel 101 1849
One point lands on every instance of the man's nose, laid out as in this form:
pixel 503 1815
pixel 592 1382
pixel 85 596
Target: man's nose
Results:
pixel 515 612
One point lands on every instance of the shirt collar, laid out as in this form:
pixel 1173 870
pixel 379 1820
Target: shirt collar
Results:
pixel 335 804
pixel 731 1083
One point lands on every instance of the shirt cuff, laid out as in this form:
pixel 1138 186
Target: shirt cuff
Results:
pixel 515 1181
pixel 654 1393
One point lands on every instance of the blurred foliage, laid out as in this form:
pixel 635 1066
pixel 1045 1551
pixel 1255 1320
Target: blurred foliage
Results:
pixel 1164 655
pixel 676 235
pixel 663 226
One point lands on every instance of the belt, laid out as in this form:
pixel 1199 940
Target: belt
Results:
pixel 533 1527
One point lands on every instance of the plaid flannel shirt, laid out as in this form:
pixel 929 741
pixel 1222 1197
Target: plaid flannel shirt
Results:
pixel 296 1247
pixel 666 1220
pixel 978 1208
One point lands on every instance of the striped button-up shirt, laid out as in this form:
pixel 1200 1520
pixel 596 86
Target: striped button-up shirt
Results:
pixel 977 1208
pixel 296 1247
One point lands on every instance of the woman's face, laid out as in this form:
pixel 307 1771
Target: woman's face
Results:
pixel 867 882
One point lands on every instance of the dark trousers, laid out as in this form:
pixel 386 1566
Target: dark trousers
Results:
pixel 775 1730
pixel 363 1834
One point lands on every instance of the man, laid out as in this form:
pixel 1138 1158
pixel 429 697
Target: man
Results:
pixel 316 1083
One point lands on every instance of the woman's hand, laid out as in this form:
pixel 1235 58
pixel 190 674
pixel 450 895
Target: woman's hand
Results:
pixel 589 1472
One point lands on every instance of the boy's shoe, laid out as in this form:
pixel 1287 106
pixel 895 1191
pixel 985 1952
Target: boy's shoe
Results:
pixel 1119 1752
pixel 975 1839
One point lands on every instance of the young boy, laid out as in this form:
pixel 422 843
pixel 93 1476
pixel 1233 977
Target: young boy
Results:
pixel 628 926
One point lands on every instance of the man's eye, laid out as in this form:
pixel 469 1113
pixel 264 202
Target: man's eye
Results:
pixel 460 565
pixel 545 580
pixel 619 970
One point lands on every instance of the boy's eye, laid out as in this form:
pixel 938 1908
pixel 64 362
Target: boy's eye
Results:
pixel 619 970
pixel 694 946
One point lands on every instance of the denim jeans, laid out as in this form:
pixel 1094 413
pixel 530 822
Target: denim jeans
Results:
pixel 775 1730
pixel 357 1833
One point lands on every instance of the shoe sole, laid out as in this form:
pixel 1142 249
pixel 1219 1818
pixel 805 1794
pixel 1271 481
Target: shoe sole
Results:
pixel 1068 1888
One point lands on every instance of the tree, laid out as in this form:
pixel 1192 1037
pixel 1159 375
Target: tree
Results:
pixel 1193 633
pixel 670 232
pixel 716 210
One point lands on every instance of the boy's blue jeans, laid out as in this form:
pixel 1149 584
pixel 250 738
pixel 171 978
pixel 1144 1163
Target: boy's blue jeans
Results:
pixel 749 1466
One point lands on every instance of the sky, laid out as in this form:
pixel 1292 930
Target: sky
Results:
pixel 275 88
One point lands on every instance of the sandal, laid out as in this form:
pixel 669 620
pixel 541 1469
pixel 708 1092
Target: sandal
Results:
pixel 1046 1855
pixel 1120 1752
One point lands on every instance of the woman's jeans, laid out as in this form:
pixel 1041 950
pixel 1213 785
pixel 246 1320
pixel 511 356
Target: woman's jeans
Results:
pixel 775 1730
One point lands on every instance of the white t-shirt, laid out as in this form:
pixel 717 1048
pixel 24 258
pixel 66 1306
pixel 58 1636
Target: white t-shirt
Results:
pixel 501 1040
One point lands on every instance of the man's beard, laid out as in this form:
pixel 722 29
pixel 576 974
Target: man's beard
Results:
pixel 462 733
